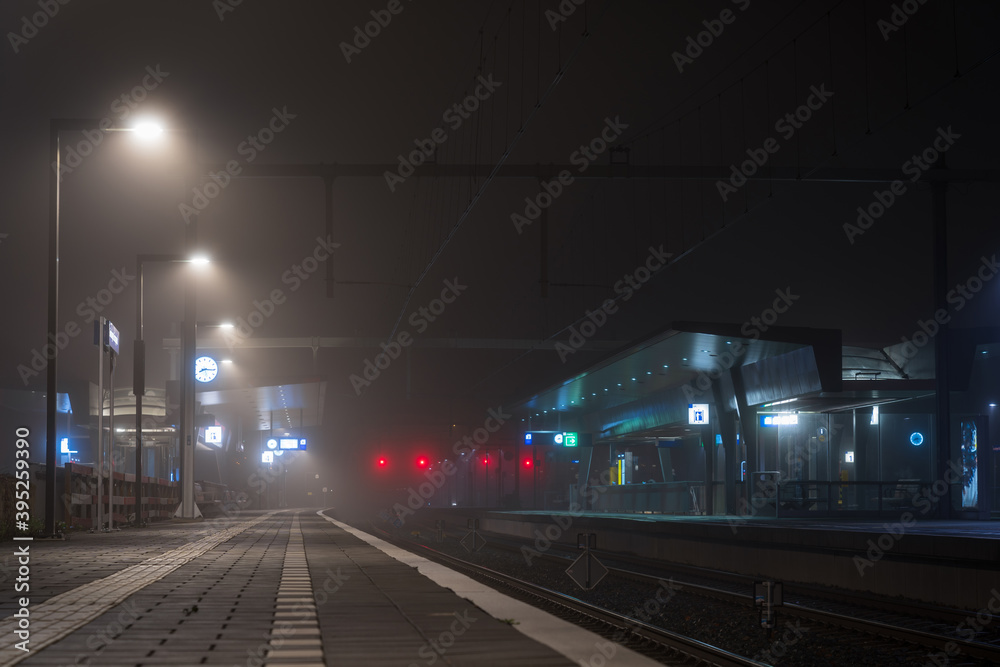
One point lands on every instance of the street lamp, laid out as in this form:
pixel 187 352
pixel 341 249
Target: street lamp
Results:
pixel 147 130
pixel 56 126
pixel 139 384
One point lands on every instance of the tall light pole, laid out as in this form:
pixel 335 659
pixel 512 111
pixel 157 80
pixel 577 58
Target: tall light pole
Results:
pixel 56 126
pixel 139 376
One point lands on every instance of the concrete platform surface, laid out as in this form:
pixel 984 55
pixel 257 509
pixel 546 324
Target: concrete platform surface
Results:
pixel 275 588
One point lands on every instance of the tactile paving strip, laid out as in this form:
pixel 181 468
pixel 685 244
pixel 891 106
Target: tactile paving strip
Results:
pixel 295 637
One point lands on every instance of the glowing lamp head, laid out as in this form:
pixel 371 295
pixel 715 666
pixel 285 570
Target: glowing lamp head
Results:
pixel 382 462
pixel 422 462
pixel 148 130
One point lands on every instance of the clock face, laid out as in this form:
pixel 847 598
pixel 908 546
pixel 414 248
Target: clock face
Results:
pixel 205 369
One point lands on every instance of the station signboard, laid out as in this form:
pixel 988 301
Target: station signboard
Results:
pixel 779 420
pixel 213 435
pixel 112 337
pixel 108 337
pixel 698 413
pixel 555 438
pixel 291 443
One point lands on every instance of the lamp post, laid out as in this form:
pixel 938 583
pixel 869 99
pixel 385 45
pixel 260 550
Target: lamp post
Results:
pixel 139 376
pixel 56 126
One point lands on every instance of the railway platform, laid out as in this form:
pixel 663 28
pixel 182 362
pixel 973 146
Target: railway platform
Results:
pixel 948 563
pixel 290 587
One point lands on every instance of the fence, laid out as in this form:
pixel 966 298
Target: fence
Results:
pixel 658 498
pixel 160 498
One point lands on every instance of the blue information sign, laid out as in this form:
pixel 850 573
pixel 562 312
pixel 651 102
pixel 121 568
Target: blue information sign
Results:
pixel 557 438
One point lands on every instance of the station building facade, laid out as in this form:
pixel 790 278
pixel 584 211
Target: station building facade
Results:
pixel 699 419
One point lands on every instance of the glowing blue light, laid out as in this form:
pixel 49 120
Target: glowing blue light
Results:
pixel 916 438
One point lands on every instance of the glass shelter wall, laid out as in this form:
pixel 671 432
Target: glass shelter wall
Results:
pixel 866 459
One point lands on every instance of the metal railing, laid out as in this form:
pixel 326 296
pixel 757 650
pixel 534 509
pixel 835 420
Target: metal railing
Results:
pixel 79 483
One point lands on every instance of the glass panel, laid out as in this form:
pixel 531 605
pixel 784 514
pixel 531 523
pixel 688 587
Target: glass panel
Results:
pixel 767 444
pixel 689 460
pixel 907 446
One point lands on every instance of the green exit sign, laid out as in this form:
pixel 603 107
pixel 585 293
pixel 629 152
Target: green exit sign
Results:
pixel 569 439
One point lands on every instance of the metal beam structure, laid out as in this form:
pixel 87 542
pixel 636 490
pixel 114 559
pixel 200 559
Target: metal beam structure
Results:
pixel 330 172
pixel 367 343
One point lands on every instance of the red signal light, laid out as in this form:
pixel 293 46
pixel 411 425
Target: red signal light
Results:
pixel 382 462
pixel 528 463
pixel 421 462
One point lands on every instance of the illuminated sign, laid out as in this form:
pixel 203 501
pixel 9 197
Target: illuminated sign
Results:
pixel 779 420
pixel 113 337
pixel 849 457
pixel 291 443
pixel 213 435
pixel 64 447
pixel 698 413
pixel 267 457
pixel 272 444
pixel 916 438
pixel 107 337
pixel 970 463
pixel 561 438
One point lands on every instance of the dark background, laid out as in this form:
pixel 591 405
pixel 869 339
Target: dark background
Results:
pixel 609 59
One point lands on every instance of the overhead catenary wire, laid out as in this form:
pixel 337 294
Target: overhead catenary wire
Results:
pixel 474 199
pixel 684 252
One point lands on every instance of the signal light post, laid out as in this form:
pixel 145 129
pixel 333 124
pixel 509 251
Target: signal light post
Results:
pixel 486 485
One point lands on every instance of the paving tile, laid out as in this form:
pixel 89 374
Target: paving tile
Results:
pixel 286 590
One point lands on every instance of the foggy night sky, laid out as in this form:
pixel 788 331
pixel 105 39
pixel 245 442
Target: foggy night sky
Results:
pixel 227 74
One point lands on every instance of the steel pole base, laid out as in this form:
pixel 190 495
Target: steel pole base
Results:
pixel 179 513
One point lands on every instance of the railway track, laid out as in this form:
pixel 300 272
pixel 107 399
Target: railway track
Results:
pixel 844 618
pixel 662 645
